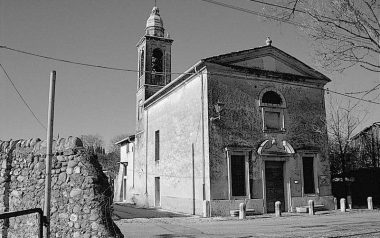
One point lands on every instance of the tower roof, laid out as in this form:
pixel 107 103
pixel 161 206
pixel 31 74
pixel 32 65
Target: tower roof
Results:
pixel 154 24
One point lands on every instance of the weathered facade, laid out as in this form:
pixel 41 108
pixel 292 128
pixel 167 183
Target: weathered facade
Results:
pixel 245 126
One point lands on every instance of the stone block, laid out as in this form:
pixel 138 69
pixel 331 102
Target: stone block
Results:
pixel 72 164
pixel 76 192
pixel 73 217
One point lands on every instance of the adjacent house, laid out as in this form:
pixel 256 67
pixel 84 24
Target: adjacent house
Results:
pixel 247 126
pixel 367 147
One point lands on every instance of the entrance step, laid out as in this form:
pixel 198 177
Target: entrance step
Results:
pixel 305 209
pixel 249 212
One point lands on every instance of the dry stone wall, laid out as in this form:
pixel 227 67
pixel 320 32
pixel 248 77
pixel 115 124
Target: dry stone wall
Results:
pixel 81 196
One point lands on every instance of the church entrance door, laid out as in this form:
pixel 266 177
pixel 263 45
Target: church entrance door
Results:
pixel 274 182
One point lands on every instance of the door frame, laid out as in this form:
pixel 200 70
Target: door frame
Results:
pixel 238 151
pixel 286 181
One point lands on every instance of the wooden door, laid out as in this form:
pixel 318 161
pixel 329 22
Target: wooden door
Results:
pixel 157 197
pixel 274 182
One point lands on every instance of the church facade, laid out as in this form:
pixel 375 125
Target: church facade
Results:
pixel 247 126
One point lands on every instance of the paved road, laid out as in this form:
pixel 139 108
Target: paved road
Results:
pixel 125 211
pixel 357 223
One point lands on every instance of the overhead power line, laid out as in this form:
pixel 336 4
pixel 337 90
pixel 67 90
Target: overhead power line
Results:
pixel 22 98
pixel 252 12
pixel 74 62
pixel 365 91
pixel 287 21
pixel 278 6
pixel 183 73
pixel 66 61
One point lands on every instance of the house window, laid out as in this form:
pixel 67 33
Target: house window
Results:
pixel 157 146
pixel 272 120
pixel 238 175
pixel 125 167
pixel 273 106
pixel 308 175
pixel 140 110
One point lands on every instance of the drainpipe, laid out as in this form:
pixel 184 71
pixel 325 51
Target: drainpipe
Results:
pixel 146 154
pixel 228 173
pixel 193 175
pixel 203 142
pixel 133 162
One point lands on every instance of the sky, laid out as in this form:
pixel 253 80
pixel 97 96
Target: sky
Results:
pixel 105 32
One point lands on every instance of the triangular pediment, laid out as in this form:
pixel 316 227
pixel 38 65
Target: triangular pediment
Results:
pixel 267 58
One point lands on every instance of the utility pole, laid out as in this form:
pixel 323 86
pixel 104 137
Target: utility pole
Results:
pixel 49 153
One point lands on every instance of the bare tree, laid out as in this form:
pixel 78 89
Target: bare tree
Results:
pixel 344 32
pixel 112 147
pixel 93 143
pixel 342 123
pixel 110 160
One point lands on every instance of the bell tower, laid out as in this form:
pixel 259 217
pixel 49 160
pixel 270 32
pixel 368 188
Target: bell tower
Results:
pixel 154 61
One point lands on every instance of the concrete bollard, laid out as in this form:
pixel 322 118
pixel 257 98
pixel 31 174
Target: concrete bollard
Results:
pixel 242 210
pixel 206 208
pixel 349 201
pixel 311 207
pixel 277 208
pixel 335 204
pixel 343 205
pixel 370 203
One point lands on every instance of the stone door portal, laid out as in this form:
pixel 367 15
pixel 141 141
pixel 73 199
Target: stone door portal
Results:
pixel 274 184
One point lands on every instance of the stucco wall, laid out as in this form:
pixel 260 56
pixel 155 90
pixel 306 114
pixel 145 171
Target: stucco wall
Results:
pixel 178 117
pixel 126 156
pixel 241 126
pixel 80 197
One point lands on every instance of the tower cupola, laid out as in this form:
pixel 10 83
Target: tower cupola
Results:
pixel 154 24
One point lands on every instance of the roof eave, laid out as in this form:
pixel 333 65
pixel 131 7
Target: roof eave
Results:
pixel 179 80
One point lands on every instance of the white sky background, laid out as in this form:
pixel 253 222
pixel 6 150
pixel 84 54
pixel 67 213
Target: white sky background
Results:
pixel 105 32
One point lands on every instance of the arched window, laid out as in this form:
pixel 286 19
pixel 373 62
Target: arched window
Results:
pixel 142 63
pixel 272 105
pixel 272 98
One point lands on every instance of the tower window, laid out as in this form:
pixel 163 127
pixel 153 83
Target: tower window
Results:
pixel 142 64
pixel 157 67
pixel 157 60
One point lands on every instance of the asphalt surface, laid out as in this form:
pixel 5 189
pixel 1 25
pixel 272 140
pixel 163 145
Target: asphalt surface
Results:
pixel 126 211
pixel 355 223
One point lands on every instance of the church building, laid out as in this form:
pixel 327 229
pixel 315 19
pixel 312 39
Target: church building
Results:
pixel 247 126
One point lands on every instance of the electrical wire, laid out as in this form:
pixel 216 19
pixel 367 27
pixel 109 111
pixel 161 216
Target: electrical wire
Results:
pixel 279 6
pixel 183 73
pixel 278 18
pixel 22 98
pixel 365 91
pixel 252 12
pixel 76 62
